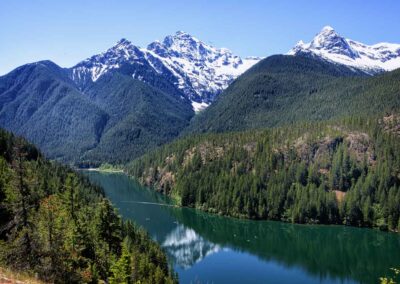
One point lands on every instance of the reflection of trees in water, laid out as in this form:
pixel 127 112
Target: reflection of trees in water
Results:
pixel 187 247
pixel 325 251
pixel 140 204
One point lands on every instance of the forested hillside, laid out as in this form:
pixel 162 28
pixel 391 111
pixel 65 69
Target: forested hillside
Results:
pixel 140 118
pixel 55 224
pixel 338 172
pixel 39 102
pixel 282 89
pixel 112 120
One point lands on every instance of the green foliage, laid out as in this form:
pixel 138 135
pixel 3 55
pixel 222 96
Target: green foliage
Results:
pixel 140 118
pixel 41 103
pixel 106 167
pixel 282 90
pixel 391 280
pixel 111 120
pixel 339 172
pixel 56 224
pixel 121 269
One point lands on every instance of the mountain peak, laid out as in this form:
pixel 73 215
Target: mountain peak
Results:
pixel 180 38
pixel 327 33
pixel 181 33
pixel 326 36
pixel 327 29
pixel 331 46
pixel 123 42
pixel 330 41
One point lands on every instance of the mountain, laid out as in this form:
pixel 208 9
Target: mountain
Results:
pixel 124 58
pixel 140 118
pixel 202 70
pixel 331 46
pixel 196 70
pixel 285 89
pixel 116 105
pixel 39 102
pixel 114 118
pixel 304 140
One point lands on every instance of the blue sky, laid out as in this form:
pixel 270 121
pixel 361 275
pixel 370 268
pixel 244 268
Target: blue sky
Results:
pixel 70 30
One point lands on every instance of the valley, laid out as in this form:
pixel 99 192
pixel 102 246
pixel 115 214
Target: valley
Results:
pixel 180 161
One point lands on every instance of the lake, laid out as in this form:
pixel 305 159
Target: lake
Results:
pixel 206 248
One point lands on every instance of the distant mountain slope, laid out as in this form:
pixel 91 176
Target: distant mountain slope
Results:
pixel 285 89
pixel 121 116
pixel 38 102
pixel 140 117
pixel 196 70
pixel 371 59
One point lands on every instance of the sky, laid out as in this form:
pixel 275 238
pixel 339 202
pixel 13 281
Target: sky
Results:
pixel 68 31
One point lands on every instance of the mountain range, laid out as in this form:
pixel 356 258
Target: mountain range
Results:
pixel 119 104
pixel 198 70
pixel 116 105
pixel 297 138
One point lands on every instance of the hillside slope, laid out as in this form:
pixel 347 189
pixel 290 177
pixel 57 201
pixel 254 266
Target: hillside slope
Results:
pixel 114 119
pixel 286 89
pixel 140 118
pixel 39 102
pixel 340 172
pixel 55 224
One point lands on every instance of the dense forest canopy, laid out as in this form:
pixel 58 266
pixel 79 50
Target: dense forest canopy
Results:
pixel 56 224
pixel 337 172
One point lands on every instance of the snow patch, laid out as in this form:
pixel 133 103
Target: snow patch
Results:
pixel 197 107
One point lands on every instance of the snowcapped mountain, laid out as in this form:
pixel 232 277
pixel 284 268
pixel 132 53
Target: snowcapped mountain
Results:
pixel 198 70
pixel 199 67
pixel 371 59
pixel 91 69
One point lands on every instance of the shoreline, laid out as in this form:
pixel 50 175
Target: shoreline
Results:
pixel 101 170
pixel 232 216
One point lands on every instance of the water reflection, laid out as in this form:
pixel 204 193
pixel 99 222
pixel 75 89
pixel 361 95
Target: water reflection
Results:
pixel 328 252
pixel 201 245
pixel 187 247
